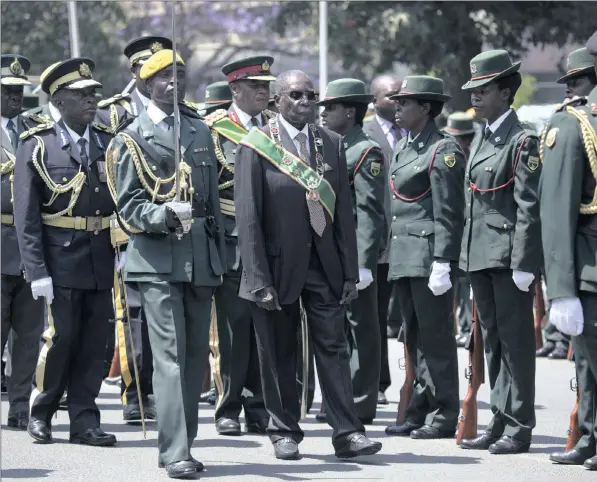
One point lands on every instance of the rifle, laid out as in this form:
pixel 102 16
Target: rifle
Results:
pixel 574 433
pixel 406 391
pixel 475 373
pixel 539 314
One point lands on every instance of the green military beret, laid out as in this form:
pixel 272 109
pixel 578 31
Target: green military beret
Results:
pixel 423 87
pixel 257 68
pixel 489 66
pixel 460 124
pixel 579 63
pixel 346 90
pixel 14 70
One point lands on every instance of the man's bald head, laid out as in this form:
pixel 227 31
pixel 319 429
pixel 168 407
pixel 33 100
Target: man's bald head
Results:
pixel 380 88
pixel 287 78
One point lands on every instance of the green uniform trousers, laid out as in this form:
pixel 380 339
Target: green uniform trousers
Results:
pixel 506 317
pixel 178 317
pixel 428 323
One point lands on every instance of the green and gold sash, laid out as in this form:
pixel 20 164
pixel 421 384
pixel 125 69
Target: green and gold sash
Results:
pixel 229 129
pixel 317 188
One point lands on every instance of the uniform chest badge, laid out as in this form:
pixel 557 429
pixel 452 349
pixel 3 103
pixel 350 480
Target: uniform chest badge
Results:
pixel 533 163
pixel 450 159
pixel 550 140
pixel 421 144
pixel 375 169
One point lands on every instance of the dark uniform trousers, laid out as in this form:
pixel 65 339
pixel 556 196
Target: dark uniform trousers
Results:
pixel 178 318
pixel 277 347
pixel 462 297
pixel 299 370
pixel 428 333
pixel 25 316
pixel 236 364
pixel 77 320
pixel 506 317
pixel 384 294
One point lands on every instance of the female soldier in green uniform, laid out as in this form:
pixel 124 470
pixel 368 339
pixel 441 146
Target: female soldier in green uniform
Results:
pixel 426 177
pixel 345 105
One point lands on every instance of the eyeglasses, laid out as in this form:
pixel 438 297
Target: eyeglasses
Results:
pixel 297 95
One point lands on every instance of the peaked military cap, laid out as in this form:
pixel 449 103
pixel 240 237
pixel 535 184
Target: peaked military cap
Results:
pixel 159 61
pixel 422 87
pixel 591 44
pixel 579 63
pixel 14 70
pixel 346 90
pixel 460 124
pixel 489 66
pixel 140 49
pixel 218 93
pixel 257 68
pixel 72 74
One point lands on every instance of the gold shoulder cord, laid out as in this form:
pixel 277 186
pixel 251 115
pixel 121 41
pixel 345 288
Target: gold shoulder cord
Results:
pixel 74 185
pixel 542 142
pixel 113 117
pixel 222 160
pixel 9 167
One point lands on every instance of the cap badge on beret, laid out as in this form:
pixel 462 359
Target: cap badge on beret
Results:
pixel 265 65
pixel 84 70
pixel 16 68
pixel 156 47
pixel 207 94
pixel 473 68
pixel 404 82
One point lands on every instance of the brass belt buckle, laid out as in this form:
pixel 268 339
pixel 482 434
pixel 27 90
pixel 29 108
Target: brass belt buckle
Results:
pixel 94 223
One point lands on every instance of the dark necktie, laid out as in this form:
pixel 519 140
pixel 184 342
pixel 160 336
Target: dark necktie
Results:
pixel 487 133
pixel 14 137
pixel 316 214
pixel 254 122
pixel 169 121
pixel 83 151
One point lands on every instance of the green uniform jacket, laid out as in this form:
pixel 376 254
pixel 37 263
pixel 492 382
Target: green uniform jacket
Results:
pixel 157 254
pixel 429 228
pixel 502 228
pixel 567 180
pixel 364 159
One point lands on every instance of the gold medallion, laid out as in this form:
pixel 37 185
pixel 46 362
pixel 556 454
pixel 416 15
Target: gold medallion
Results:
pixel 156 47
pixel 550 140
pixel 533 163
pixel 15 68
pixel 450 159
pixel 375 169
pixel 265 66
pixel 84 70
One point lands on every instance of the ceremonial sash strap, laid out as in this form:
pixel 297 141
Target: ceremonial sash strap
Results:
pixel 229 129
pixel 289 164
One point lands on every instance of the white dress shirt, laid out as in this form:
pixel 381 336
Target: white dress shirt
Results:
pixel 388 129
pixel 145 100
pixel 157 116
pixel 293 131
pixel 498 122
pixel 75 138
pixel 245 119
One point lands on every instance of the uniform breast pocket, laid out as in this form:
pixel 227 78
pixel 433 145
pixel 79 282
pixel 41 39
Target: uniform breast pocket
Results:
pixel 202 172
pixel 421 237
pixel 499 235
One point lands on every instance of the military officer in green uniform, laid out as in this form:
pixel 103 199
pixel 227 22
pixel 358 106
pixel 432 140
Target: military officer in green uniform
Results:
pixel 232 342
pixel 460 125
pixel 345 105
pixel 569 233
pixel 62 216
pixel 22 316
pixel 427 219
pixel 176 252
pixel 217 96
pixel 501 249
pixel 580 80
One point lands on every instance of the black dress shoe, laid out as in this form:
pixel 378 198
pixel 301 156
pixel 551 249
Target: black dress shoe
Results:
pixel 259 426
pixel 198 465
pixel 286 449
pixel 403 430
pixel 430 432
pixel 228 426
pixel 356 445
pixel 131 413
pixel 482 442
pixel 558 354
pixel 20 420
pixel 181 469
pixel 381 398
pixel 208 397
pixel 545 350
pixel 509 445
pixel 591 463
pixel 321 417
pixel 93 436
pixel 573 457
pixel 40 431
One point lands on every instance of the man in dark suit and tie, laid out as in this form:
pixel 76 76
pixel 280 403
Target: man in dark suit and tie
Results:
pixel 297 240
pixel 382 129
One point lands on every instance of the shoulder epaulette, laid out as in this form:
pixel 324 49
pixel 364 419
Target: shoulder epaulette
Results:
pixel 574 102
pixel 39 118
pixel 215 116
pixel 112 100
pixel 191 105
pixel 36 129
pixel 102 128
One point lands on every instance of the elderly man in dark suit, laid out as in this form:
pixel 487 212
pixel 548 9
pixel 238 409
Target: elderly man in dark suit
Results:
pixel 297 240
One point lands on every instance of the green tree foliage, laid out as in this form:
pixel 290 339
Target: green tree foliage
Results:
pixel 369 36
pixel 525 91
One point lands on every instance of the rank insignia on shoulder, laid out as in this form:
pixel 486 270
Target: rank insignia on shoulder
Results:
pixel 375 169
pixel 533 163
pixel 450 159
pixel 550 139
pixel 35 130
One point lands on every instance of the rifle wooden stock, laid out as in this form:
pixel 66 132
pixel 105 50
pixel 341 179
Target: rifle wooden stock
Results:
pixel 475 372
pixel 406 392
pixel 574 433
pixel 539 314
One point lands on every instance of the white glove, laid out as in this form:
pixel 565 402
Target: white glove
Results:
pixel 567 316
pixel 184 213
pixel 439 279
pixel 43 287
pixel 119 263
pixel 365 278
pixel 522 279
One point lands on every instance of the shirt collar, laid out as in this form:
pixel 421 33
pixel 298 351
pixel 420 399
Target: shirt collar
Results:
pixel 5 122
pixel 386 125
pixel 156 114
pixel 54 112
pixel 498 122
pixel 144 99
pixel 75 137
pixel 293 131
pixel 244 118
